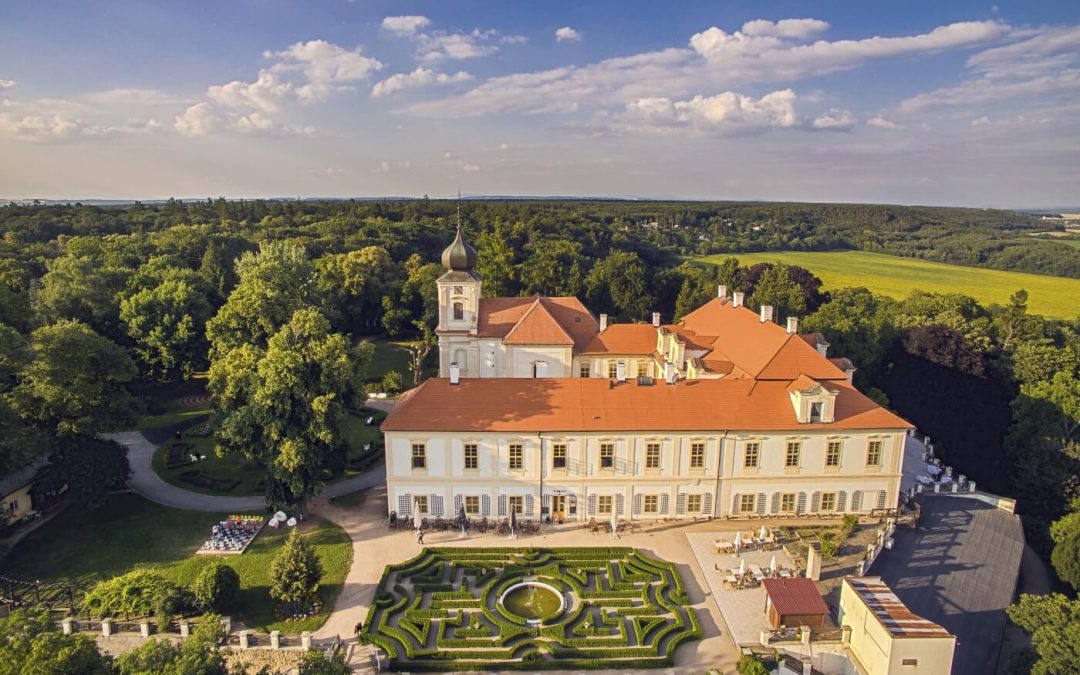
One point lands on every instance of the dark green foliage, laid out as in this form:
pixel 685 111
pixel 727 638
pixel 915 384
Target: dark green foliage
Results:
pixel 316 662
pixel 1053 621
pixel 89 468
pixel 31 644
pixel 295 571
pixel 751 665
pixel 197 655
pixel 216 587
pixel 139 593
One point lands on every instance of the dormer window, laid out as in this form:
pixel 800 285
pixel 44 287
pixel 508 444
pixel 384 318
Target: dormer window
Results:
pixel 813 402
pixel 817 411
pixel 459 311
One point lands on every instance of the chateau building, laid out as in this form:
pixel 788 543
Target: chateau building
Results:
pixel 544 410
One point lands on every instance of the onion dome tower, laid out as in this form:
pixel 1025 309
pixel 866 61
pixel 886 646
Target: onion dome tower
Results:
pixel 459 256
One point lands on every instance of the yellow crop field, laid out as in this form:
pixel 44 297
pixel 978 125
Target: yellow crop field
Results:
pixel 897 277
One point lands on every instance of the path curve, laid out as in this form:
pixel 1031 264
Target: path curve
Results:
pixel 145 481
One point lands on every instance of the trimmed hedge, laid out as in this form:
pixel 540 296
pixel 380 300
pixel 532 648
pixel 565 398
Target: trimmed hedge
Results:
pixel 617 594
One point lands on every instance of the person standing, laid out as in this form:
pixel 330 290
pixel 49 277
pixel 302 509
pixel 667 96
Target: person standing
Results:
pixel 420 536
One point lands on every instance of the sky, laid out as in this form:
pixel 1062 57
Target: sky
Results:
pixel 948 103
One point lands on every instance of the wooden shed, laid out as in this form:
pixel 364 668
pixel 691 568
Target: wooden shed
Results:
pixel 794 602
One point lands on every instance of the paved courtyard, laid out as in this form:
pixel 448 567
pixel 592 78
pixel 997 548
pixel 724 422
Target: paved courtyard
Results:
pixel 743 610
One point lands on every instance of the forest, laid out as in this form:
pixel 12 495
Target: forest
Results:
pixel 100 304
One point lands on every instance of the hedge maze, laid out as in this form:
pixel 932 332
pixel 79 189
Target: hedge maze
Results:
pixel 441 610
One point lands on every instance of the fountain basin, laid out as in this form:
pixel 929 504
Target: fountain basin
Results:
pixel 533 601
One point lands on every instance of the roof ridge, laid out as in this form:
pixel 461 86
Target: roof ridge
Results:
pixel 539 302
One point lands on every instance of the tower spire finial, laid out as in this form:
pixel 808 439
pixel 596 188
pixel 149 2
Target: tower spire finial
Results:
pixel 459 210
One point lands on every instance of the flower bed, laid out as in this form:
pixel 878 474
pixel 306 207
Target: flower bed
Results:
pixel 621 610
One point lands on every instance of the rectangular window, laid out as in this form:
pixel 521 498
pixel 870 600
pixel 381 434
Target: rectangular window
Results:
pixel 828 501
pixel 607 455
pixel 472 504
pixel 643 368
pixel 472 456
pixel 787 502
pixel 746 503
pixel 612 369
pixel 651 504
pixel 517 505
pixel 910 662
pixel 873 453
pixel 585 371
pixel 558 456
pixel 693 503
pixel 604 504
pixel 419 456
pixel 697 455
pixel 421 505
pixel 832 453
pixel 652 456
pixel 517 457
pixel 791 458
pixel 752 455
pixel 817 411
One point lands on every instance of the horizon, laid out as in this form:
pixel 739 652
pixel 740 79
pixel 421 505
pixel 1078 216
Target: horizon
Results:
pixel 969 104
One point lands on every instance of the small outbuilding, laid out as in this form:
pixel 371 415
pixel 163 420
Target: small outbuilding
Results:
pixel 794 602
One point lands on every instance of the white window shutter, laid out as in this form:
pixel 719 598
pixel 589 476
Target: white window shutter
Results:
pixel 856 500
pixel 404 506
pixel 761 504
pixel 502 506
pixel 619 504
pixel 706 506
pixel 665 501
pixel 680 503
pixel 841 500
pixel 815 502
pixel 735 504
pixel 529 508
pixel 774 507
pixel 592 505
pixel 459 501
pixel 637 504
pixel 485 505
pixel 881 499
pixel 800 505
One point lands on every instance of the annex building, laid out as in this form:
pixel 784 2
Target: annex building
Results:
pixel 543 409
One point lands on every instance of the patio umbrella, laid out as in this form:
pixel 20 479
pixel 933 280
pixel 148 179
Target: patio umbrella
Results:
pixel 738 541
pixel 417 521
pixel 513 522
pixel 462 520
pixel 772 564
pixel 742 567
pixel 614 523
pixel 762 533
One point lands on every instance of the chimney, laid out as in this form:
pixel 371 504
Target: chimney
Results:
pixel 670 374
pixel 821 344
pixel 455 373
pixel 737 298
pixel 721 291
pixel 603 322
pixel 766 313
pixel 793 324
pixel 620 372
pixel 656 319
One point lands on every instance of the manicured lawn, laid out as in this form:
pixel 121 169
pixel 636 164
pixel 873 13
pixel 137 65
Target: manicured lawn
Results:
pixel 235 467
pixel 129 531
pixel 174 402
pixel 393 355
pixel 897 277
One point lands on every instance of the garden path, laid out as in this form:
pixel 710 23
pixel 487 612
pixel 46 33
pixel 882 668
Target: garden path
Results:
pixel 145 481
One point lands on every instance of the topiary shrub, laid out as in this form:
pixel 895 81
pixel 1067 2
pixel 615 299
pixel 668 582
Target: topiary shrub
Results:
pixel 295 571
pixel 216 587
pixel 139 593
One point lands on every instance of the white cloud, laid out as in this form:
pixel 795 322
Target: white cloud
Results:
pixel 421 77
pixel 325 65
pixel 197 120
pixel 880 122
pixel 5 84
pixel 567 34
pixel 835 120
pixel 133 96
pixel 714 60
pixel 405 25
pixel 62 127
pixel 267 93
pixel 787 28
pixel 981 122
pixel 726 112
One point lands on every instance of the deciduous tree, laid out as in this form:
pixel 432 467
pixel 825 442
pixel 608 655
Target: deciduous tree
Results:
pixel 295 571
pixel 1053 621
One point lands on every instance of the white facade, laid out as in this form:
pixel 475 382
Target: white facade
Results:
pixel 646 475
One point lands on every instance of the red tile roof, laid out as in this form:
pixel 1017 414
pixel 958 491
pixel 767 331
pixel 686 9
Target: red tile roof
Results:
pixel 624 338
pixel 592 404
pixel 560 320
pixel 795 596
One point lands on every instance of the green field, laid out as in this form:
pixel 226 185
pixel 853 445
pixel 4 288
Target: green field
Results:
pixel 897 277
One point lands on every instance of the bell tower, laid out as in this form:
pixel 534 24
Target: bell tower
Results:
pixel 459 303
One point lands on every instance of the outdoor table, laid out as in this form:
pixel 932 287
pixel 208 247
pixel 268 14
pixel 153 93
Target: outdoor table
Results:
pixel 723 545
pixel 946 479
pixel 925 480
pixel 785 573
pixel 933 469
pixel 731 580
pixel 755 570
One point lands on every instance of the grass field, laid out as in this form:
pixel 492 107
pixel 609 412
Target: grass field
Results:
pixel 129 531
pixel 897 277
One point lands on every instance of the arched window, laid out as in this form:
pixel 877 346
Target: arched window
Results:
pixel 459 311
